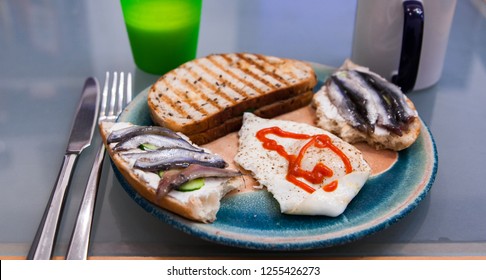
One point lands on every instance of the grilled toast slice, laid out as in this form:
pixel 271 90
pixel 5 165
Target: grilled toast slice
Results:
pixel 204 93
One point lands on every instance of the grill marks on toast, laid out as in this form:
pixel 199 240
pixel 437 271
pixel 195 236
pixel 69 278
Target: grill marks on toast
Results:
pixel 188 99
pixel 222 87
pixel 247 89
pixel 259 61
pixel 255 81
pixel 207 91
pixel 251 77
pixel 204 91
pixel 173 107
pixel 290 77
pixel 246 76
pixel 182 98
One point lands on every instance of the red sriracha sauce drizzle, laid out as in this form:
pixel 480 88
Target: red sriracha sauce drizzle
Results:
pixel 295 171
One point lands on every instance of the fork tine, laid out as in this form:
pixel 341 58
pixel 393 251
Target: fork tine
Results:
pixel 129 88
pixel 113 94
pixel 104 96
pixel 121 87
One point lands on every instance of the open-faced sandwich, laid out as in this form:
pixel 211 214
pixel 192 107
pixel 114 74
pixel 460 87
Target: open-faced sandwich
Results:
pixel 169 171
pixel 360 106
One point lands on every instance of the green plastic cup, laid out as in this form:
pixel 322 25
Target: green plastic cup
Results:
pixel 163 34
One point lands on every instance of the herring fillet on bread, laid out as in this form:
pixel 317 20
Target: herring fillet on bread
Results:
pixel 361 106
pixel 205 98
pixel 199 205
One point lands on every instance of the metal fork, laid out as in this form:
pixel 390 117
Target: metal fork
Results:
pixel 78 246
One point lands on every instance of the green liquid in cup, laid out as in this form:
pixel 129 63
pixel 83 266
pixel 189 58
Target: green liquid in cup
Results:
pixel 163 34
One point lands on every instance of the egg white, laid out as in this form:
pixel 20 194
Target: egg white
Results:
pixel 270 169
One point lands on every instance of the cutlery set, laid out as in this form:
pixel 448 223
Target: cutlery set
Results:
pixel 80 137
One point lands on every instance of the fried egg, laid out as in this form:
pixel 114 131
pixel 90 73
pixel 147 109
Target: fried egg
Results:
pixel 296 194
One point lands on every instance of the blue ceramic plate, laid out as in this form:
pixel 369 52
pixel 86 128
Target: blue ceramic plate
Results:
pixel 253 219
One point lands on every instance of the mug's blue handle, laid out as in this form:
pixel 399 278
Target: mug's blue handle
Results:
pixel 413 29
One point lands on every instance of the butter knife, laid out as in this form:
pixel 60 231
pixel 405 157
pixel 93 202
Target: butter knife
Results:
pixel 80 138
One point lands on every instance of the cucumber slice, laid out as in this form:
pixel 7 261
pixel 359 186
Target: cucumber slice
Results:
pixel 192 185
pixel 148 147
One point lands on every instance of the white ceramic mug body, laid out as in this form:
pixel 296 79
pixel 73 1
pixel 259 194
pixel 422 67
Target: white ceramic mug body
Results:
pixel 378 34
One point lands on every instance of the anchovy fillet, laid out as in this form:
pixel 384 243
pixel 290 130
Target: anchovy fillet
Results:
pixel 384 104
pixel 338 95
pixel 354 85
pixel 366 100
pixel 404 114
pixel 176 158
pixel 132 131
pixel 165 185
pixel 173 179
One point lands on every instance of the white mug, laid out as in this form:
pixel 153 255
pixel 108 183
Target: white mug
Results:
pixel 402 40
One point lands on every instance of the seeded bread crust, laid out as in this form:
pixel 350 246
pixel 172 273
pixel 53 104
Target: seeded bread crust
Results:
pixel 207 92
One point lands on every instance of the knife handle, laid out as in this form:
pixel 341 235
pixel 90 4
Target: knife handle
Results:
pixel 43 244
pixel 78 246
